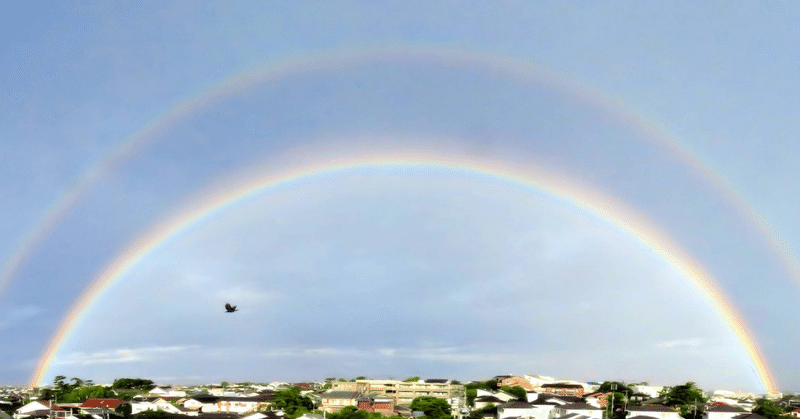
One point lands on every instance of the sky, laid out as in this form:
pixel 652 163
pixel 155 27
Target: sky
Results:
pixel 590 191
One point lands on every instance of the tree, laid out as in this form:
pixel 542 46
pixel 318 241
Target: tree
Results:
pixel 434 408
pixel 292 402
pixel 770 410
pixel 133 383
pixel 685 397
pixel 411 379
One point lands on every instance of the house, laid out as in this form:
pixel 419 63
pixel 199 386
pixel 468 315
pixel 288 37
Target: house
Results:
pixel 516 410
pixel 376 403
pixel 202 403
pixel 572 409
pixel 563 389
pixel 100 406
pixel 597 399
pixel 539 380
pixel 140 404
pixel 499 394
pixel 166 391
pixel 333 401
pixel 653 410
pixel 35 408
pixel 240 405
pixel 722 411
pixel 795 413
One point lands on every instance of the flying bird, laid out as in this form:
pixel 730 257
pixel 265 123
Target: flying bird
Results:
pixel 230 308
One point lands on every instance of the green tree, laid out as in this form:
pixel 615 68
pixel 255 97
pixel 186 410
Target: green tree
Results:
pixel 133 383
pixel 472 394
pixel 770 410
pixel 434 408
pixel 413 379
pixel 685 397
pixel 292 402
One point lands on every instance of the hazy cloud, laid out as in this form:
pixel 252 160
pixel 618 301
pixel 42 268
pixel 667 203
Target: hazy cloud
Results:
pixel 120 355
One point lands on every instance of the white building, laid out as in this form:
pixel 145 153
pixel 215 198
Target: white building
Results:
pixel 723 412
pixel 571 409
pixel 516 410
pixel 653 410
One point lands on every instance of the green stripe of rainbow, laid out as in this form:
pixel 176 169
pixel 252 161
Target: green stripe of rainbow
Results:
pixel 549 181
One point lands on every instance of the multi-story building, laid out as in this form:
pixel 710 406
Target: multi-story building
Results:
pixel 405 392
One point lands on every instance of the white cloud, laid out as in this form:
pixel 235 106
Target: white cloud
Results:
pixel 119 355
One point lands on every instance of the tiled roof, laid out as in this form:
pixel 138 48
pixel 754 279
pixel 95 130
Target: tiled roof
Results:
pixel 725 408
pixel 263 398
pixel 540 402
pixel 205 398
pixel 579 406
pixel 561 385
pixel 340 394
pixel 749 416
pixel 488 399
pixel 516 405
pixel 651 408
pixel 107 403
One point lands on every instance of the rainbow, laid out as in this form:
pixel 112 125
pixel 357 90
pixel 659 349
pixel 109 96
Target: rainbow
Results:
pixel 544 179
pixel 516 69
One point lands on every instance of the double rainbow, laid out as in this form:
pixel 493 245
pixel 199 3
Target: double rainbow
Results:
pixel 626 218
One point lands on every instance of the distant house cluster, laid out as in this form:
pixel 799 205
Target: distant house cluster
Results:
pixel 544 398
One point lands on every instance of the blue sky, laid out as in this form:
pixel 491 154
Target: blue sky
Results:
pixel 400 271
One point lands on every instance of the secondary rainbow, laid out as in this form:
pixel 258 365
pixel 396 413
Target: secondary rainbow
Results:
pixel 547 180
pixel 518 69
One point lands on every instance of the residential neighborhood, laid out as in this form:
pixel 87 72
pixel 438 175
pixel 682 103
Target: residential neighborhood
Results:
pixel 501 397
